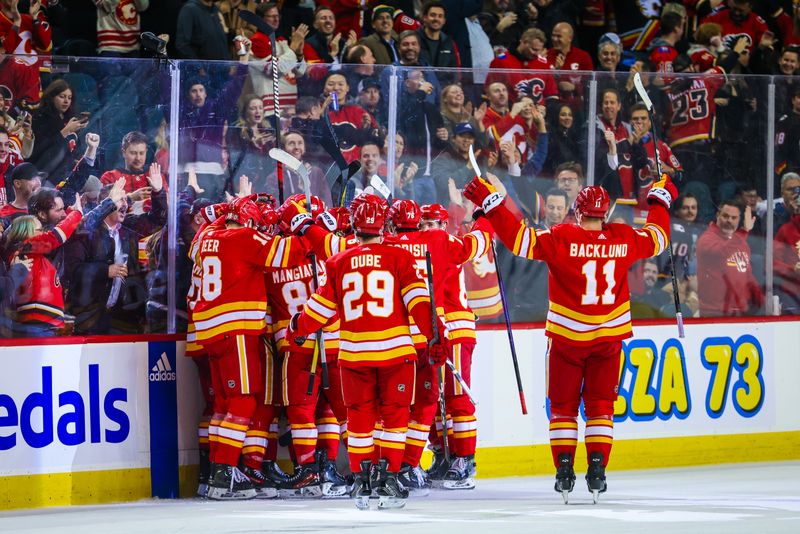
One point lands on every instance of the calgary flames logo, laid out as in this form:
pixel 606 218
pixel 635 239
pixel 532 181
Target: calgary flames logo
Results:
pixel 126 13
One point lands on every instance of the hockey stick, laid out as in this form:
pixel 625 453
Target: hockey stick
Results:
pixel 637 82
pixel 433 341
pixel 461 382
pixel 251 18
pixel 283 157
pixel 504 302
pixel 330 143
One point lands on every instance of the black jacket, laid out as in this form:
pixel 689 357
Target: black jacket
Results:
pixel 200 34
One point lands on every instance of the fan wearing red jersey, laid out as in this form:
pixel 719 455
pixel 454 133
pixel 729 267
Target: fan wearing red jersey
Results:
pixel 229 318
pixel 375 289
pixel 589 312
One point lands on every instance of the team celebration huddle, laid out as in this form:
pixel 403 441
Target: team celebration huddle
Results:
pixel 351 323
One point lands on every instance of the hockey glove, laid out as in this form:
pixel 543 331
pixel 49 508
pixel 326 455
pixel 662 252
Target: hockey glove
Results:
pixel 483 194
pixel 663 192
pixel 294 218
pixel 213 212
pixel 327 221
pixel 438 352
pixel 292 328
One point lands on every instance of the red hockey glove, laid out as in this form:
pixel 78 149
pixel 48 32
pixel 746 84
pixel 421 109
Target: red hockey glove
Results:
pixel 294 218
pixel 327 221
pixel 438 352
pixel 483 194
pixel 292 328
pixel 213 212
pixel 663 192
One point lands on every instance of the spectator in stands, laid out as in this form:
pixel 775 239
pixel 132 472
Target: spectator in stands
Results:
pixel 118 27
pixel 497 95
pixel 324 46
pixel 201 34
pixel 654 298
pixel 787 135
pixel 566 142
pixel 308 112
pixel 233 24
pixel 437 49
pixel 370 157
pixel 564 56
pixel 56 126
pixel 28 36
pixel 134 157
pixel 726 285
pixel 248 141
pixel 8 160
pixel 369 98
pixel 291 66
pixel 107 287
pixel 25 180
pixel 352 124
pixel 569 178
pixel 506 24
pixel 462 26
pixel 454 111
pixel 686 230
pixel 787 204
pixel 737 19
pixel 202 123
pixel 453 164
pixel 382 42
pixel 294 143
pixel 609 54
pixel 609 120
pixel 787 86
pixel 360 66
pixel 662 50
pixel 787 259
pixel 555 207
pixel 529 57
pixel 348 14
pixel 90 194
pixel 405 169
pixel 20 133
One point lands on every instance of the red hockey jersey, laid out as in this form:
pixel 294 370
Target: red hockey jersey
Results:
pixel 40 299
pixel 637 183
pixel 532 78
pixel 346 123
pixel 753 27
pixel 692 110
pixel 375 289
pixel 233 297
pixel 588 271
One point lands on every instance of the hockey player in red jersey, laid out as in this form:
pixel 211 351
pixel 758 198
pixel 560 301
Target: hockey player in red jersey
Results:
pixel 589 313
pixel 229 317
pixel 374 288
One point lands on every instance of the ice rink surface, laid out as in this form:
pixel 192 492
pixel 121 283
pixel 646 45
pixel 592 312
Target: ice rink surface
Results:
pixel 747 498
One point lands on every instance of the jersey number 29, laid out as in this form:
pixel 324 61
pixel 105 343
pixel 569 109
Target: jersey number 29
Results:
pixel 379 286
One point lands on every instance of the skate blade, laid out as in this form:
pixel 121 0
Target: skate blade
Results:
pixel 419 492
pixel 266 493
pixel 224 494
pixel 362 502
pixel 329 491
pixel 565 496
pixel 595 496
pixel 466 484
pixel 202 491
pixel 390 503
pixel 308 492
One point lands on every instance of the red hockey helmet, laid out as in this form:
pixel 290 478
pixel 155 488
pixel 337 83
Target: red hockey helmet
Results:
pixel 369 218
pixel 269 217
pixel 243 210
pixel 367 197
pixel 317 205
pixel 592 201
pixel 435 212
pixel 405 214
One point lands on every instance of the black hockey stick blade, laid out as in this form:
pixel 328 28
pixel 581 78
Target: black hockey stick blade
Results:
pixel 253 19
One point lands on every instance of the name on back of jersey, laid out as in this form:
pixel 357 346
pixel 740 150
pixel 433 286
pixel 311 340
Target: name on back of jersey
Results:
pixel 366 260
pixel 598 250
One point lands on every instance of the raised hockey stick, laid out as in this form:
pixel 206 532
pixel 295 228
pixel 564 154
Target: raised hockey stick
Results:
pixel 504 302
pixel 330 143
pixel 297 166
pixel 637 82
pixel 435 340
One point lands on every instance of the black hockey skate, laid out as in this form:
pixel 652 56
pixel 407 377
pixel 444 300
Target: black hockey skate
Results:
pixel 304 482
pixel 204 475
pixel 264 487
pixel 390 493
pixel 461 475
pixel 415 480
pixel 273 473
pixel 229 484
pixel 596 476
pixel 565 476
pixel 333 484
pixel 361 490
pixel 438 468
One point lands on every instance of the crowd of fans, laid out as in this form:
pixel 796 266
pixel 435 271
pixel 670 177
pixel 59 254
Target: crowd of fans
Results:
pixel 511 79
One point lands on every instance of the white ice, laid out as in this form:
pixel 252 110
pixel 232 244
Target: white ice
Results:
pixel 747 498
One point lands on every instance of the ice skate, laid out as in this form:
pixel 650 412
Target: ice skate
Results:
pixel 565 476
pixel 265 489
pixel 391 494
pixel 596 476
pixel 274 473
pixel 438 468
pixel 461 475
pixel 304 482
pixel 229 484
pixel 333 484
pixel 204 475
pixel 361 490
pixel 415 480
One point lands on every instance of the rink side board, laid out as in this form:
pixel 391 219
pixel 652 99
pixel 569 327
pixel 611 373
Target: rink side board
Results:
pixel 75 425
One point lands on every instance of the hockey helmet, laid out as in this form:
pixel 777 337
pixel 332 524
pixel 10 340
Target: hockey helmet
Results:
pixel 435 212
pixel 269 217
pixel 369 218
pixel 592 201
pixel 405 214
pixel 243 210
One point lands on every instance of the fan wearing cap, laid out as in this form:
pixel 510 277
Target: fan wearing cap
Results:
pixel 382 42
pixel 25 180
pixel 374 289
pixel 589 312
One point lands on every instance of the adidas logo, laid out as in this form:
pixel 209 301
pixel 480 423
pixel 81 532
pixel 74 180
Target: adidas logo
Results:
pixel 601 236
pixel 162 370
